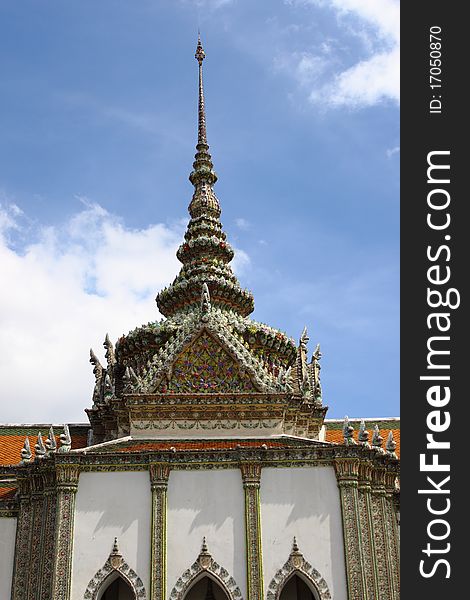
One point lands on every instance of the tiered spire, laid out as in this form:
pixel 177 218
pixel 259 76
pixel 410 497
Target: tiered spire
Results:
pixel 205 253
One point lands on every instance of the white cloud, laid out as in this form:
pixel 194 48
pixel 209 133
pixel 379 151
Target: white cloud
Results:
pixel 372 79
pixel 391 151
pixel 365 84
pixel 62 291
pixel 242 223
pixel 208 4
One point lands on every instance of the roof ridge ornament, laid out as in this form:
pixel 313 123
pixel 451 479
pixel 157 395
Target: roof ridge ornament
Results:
pixel 39 448
pixel 51 443
pixel 26 454
pixel 391 445
pixel 348 433
pixel 65 440
pixel 363 434
pixel 98 373
pixel 377 440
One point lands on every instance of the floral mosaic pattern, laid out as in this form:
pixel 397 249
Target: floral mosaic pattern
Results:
pixel 206 367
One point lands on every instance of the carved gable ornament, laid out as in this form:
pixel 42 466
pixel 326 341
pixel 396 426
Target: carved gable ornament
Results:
pixel 297 565
pixel 205 565
pixel 208 359
pixel 205 366
pixel 115 566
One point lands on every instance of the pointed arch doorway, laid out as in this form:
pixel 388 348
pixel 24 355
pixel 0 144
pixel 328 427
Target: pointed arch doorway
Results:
pixel 118 589
pixel 296 588
pixel 206 588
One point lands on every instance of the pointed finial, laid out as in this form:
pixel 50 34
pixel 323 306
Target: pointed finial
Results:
pixel 110 356
pixel 304 338
pixel 115 546
pixel 93 358
pixel 204 557
pixel 26 453
pixel 296 557
pixel 51 443
pixel 348 432
pixel 89 438
pixel 200 54
pixel 391 444
pixel 377 439
pixel 212 258
pixel 363 434
pixel 204 158
pixel 39 448
pixel 65 440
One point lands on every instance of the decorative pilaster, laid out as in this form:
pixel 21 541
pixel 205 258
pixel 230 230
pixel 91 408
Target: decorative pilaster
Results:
pixel 48 553
pixel 24 534
pixel 347 472
pixel 365 521
pixel 251 476
pixel 67 484
pixel 382 558
pixel 37 538
pixel 159 474
pixel 391 532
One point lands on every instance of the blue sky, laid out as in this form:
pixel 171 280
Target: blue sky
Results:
pixel 98 114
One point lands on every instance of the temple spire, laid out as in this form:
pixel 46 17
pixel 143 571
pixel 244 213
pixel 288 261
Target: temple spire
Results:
pixel 202 133
pixel 205 253
pixel 203 167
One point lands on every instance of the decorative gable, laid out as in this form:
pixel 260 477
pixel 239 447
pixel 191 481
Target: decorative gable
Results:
pixel 206 367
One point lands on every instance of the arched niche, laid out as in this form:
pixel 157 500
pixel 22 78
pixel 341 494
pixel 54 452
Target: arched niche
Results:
pixel 116 580
pixel 206 569
pixel 297 579
pixel 116 588
pixel 298 588
pixel 205 587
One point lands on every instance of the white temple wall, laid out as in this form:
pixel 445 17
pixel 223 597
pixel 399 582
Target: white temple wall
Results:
pixel 7 555
pixel 110 505
pixel 305 503
pixel 206 504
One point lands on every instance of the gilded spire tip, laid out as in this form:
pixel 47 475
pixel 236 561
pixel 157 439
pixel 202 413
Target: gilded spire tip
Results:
pixel 200 54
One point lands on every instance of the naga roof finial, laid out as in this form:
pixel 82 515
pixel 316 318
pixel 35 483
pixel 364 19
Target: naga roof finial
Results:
pixel 363 434
pixel 39 447
pixel 26 453
pixel 391 445
pixel 377 440
pixel 348 432
pixel 65 440
pixel 51 443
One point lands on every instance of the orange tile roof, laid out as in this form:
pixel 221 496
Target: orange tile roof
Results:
pixel 12 441
pixel 11 445
pixel 336 435
pixel 198 445
pixel 7 493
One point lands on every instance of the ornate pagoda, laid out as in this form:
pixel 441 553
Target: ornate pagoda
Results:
pixel 207 368
pixel 204 472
